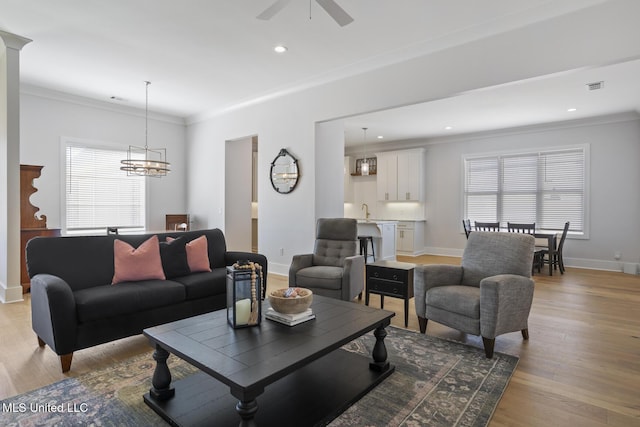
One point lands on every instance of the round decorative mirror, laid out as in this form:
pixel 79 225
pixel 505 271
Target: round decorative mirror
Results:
pixel 284 172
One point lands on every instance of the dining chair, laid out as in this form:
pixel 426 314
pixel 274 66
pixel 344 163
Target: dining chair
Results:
pixel 466 223
pixel 553 256
pixel 528 228
pixel 487 226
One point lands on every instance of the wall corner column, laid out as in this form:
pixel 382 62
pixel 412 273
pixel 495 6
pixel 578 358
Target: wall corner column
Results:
pixel 10 46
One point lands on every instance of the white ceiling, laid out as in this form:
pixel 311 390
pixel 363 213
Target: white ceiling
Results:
pixel 204 57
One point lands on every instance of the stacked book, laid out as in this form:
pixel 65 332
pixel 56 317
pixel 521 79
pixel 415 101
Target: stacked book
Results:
pixel 290 319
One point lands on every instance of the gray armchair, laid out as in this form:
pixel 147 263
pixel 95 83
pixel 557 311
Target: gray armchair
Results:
pixel 333 269
pixel 489 294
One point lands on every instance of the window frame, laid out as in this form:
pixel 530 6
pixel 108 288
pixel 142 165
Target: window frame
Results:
pixel 95 144
pixel 539 191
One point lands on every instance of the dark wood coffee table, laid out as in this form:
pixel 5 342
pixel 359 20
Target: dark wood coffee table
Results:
pixel 299 375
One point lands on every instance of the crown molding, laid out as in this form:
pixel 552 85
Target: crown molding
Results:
pixel 42 92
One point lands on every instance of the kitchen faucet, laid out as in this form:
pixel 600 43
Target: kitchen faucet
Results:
pixel 366 210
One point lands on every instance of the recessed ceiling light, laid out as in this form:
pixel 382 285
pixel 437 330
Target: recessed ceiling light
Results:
pixel 571 110
pixel 448 128
pixel 280 49
pixel 380 137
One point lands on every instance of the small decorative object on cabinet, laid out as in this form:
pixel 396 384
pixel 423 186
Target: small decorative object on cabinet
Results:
pixel 30 225
pixel 177 222
pixel 244 298
pixel 284 172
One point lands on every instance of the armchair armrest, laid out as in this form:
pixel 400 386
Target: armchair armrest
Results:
pixel 53 312
pixel 429 276
pixel 353 277
pixel 298 262
pixel 505 302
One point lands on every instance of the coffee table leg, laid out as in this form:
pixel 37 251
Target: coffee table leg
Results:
pixel 161 381
pixel 247 410
pixel 379 353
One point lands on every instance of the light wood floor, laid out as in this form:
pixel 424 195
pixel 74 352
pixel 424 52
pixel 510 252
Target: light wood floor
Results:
pixel 580 367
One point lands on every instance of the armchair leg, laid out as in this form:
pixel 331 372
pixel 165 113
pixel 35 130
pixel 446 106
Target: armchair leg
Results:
pixel 488 346
pixel 422 322
pixel 525 333
pixel 65 362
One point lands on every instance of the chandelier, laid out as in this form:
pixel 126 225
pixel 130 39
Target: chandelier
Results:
pixel 146 161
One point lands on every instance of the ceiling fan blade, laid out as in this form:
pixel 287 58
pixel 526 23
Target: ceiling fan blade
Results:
pixel 273 9
pixel 336 12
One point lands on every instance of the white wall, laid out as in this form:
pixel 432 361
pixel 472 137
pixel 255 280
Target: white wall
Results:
pixel 614 202
pixel 47 117
pixel 287 221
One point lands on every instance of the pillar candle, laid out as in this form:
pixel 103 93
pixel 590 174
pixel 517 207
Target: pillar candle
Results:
pixel 243 310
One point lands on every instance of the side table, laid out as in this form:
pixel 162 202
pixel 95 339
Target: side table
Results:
pixel 393 279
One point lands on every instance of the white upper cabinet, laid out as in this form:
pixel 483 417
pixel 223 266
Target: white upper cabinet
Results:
pixel 401 175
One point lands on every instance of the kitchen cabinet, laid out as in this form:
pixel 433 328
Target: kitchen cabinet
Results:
pixel 410 239
pixel 384 237
pixel 401 175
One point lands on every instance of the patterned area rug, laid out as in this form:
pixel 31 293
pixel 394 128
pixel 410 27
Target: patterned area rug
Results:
pixel 436 383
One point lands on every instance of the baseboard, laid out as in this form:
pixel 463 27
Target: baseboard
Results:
pixel 12 294
pixel 279 269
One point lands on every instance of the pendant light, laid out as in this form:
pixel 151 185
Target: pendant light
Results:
pixel 364 166
pixel 146 161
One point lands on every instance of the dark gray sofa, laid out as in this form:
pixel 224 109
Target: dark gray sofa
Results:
pixel 74 305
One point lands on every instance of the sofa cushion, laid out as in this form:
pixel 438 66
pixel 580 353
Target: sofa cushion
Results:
pixel 174 257
pixel 200 285
pixel 320 276
pixel 198 255
pixel 103 302
pixel 464 300
pixel 141 263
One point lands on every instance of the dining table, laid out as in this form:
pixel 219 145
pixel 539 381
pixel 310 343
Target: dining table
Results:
pixel 551 238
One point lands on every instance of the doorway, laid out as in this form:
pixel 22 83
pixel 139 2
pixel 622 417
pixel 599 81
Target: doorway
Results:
pixel 241 203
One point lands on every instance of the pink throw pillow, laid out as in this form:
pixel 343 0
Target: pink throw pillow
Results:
pixel 141 263
pixel 198 255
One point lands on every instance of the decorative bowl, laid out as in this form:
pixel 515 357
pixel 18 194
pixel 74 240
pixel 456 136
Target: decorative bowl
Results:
pixel 292 304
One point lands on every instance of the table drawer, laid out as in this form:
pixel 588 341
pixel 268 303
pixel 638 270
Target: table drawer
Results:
pixel 388 274
pixel 387 287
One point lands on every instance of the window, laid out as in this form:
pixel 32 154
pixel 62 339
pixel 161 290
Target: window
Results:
pixel 97 193
pixel 546 187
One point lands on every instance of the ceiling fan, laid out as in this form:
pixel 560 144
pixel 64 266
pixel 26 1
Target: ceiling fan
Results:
pixel 330 6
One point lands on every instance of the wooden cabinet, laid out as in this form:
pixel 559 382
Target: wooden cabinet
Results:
pixel 177 222
pixel 401 175
pixel 30 225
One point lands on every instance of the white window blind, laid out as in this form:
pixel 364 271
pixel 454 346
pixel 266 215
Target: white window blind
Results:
pixel 546 187
pixel 98 193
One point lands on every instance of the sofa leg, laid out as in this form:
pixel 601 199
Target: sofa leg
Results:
pixel 488 346
pixel 525 333
pixel 65 362
pixel 422 322
pixel 40 342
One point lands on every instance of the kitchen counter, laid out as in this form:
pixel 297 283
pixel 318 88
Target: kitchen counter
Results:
pixel 384 234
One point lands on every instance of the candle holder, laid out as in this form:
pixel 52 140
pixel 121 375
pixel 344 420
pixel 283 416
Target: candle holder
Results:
pixel 244 284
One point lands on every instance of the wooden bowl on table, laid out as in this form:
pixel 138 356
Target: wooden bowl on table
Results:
pixel 297 303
